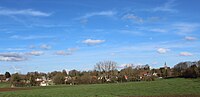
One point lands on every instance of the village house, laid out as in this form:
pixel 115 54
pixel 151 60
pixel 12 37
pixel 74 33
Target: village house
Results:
pixel 43 81
pixel 2 78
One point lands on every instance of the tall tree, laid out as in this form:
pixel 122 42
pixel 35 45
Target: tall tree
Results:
pixel 74 73
pixel 191 72
pixel 64 72
pixel 32 80
pixel 59 78
pixel 179 68
pixel 15 79
pixel 198 63
pixel 105 66
pixel 7 75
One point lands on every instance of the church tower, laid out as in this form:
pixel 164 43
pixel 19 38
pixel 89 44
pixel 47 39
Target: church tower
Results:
pixel 165 66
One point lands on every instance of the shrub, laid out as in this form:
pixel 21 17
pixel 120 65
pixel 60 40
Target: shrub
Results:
pixel 59 78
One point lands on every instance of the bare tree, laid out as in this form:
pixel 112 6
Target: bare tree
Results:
pixel 106 69
pixel 105 66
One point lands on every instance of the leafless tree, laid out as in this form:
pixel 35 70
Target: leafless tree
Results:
pixel 105 66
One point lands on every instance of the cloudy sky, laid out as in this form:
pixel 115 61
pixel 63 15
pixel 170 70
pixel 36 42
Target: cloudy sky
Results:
pixel 50 35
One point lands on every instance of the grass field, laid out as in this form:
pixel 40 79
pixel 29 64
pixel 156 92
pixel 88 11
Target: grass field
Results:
pixel 154 88
pixel 4 85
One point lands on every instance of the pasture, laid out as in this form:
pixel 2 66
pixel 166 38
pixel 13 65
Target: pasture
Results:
pixel 160 87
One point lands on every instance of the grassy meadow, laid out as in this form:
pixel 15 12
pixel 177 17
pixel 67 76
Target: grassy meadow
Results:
pixel 159 87
pixel 4 85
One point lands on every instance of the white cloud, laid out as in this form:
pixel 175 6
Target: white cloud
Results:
pixel 167 7
pixel 18 56
pixel 13 57
pixel 158 30
pixel 133 17
pixel 102 13
pixel 45 46
pixel 29 37
pixel 127 65
pixel 162 50
pixel 130 32
pixel 15 49
pixel 185 54
pixel 35 53
pixel 50 25
pixel 32 46
pixel 85 18
pixel 185 28
pixel 189 38
pixel 62 52
pixel 30 12
pixel 69 51
pixel 92 42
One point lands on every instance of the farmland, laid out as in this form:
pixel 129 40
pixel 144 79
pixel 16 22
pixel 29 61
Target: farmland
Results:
pixel 160 87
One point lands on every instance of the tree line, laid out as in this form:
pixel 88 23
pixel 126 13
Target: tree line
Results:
pixel 105 72
pixel 187 69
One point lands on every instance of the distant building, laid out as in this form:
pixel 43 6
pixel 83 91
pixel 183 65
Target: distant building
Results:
pixel 165 67
pixel 165 71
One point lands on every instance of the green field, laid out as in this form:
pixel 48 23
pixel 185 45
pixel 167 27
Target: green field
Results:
pixel 4 85
pixel 158 87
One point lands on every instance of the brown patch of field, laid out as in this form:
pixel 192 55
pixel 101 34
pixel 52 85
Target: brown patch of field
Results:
pixel 166 96
pixel 12 89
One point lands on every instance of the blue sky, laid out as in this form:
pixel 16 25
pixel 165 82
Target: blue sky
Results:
pixel 49 35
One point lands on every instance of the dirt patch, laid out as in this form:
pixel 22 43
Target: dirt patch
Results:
pixel 13 89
